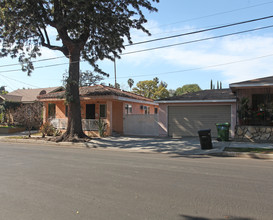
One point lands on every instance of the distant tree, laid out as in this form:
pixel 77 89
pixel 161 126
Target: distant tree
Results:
pixel 29 115
pixel 87 78
pixel 187 88
pixel 113 86
pixel 211 84
pixel 3 90
pixel 171 92
pixel 130 83
pixel 152 89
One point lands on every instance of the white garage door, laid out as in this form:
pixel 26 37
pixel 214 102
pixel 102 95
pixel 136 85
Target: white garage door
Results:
pixel 187 120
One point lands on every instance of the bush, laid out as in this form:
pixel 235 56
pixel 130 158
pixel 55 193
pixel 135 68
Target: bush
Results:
pixel 47 129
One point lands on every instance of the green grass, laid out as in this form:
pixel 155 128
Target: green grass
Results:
pixel 249 150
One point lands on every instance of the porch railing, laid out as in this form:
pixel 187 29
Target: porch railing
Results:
pixel 87 124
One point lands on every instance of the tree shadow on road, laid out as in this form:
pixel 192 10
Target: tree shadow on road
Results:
pixel 179 147
pixel 187 217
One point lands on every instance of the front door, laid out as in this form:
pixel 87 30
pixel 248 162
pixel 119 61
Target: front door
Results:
pixel 90 111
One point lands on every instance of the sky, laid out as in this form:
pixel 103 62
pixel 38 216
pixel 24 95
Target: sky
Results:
pixel 229 59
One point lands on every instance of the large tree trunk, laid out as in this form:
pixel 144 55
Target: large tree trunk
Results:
pixel 74 130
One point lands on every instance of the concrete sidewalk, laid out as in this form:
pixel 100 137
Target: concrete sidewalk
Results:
pixel 183 146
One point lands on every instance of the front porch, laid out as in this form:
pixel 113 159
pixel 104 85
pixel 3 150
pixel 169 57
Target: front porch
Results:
pixel 87 124
pixel 254 112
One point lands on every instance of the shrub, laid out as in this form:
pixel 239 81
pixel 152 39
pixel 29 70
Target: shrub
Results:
pixel 101 127
pixel 47 129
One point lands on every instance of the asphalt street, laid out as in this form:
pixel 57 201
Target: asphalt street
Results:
pixel 50 182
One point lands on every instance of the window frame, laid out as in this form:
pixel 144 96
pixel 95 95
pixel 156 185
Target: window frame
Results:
pixel 105 111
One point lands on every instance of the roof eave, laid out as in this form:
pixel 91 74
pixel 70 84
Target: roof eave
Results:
pixel 196 101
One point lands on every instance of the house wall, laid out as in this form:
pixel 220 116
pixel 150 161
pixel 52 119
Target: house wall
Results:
pixel 115 111
pixel 163 115
pixel 141 125
pixel 136 108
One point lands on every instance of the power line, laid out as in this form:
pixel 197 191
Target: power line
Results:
pixel 199 40
pixel 40 67
pixel 215 14
pixel 201 31
pixel 35 61
pixel 17 80
pixel 206 67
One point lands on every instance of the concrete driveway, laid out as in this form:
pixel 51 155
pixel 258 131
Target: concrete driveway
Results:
pixel 184 146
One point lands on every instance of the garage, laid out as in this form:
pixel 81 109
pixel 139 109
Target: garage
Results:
pixel 184 115
pixel 185 121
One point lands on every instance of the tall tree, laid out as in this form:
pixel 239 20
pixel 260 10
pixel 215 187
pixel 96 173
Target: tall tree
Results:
pixel 187 88
pixel 87 78
pixel 130 83
pixel 152 89
pixel 87 30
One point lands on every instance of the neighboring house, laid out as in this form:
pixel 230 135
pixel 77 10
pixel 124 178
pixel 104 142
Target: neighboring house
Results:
pixel 23 96
pixel 185 115
pixel 30 95
pixel 10 98
pixel 255 109
pixel 120 109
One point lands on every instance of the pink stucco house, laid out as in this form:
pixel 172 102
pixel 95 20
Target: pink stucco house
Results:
pixel 110 104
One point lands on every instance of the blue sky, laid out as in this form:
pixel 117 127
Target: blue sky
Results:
pixel 249 55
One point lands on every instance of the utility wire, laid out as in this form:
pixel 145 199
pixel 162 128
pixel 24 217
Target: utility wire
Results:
pixel 35 61
pixel 199 40
pixel 215 14
pixel 205 67
pixel 155 48
pixel 201 31
pixel 17 80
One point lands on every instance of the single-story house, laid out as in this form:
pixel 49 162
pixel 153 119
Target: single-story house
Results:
pixel 247 106
pixel 115 106
pixel 185 115
pixel 255 109
pixel 22 96
pixel 30 95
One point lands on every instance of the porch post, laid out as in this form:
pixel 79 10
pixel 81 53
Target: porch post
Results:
pixel 44 112
pixel 109 105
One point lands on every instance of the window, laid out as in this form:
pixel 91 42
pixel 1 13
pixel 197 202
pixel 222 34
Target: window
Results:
pixel 146 110
pixel 156 111
pixel 128 109
pixel 51 110
pixel 103 111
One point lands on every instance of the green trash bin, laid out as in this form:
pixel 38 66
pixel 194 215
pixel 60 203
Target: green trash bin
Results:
pixel 223 131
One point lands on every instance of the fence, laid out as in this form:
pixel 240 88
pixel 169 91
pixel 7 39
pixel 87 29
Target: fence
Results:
pixel 142 125
pixel 87 124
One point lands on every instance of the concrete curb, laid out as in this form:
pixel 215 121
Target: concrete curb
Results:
pixel 96 146
pixel 243 155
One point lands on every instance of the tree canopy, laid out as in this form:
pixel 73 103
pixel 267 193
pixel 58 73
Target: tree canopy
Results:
pixel 87 78
pixel 87 30
pixel 152 89
pixel 187 88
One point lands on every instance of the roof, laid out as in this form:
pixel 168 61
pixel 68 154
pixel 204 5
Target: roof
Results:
pixel 260 82
pixel 97 90
pixel 11 98
pixel 214 95
pixel 30 95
